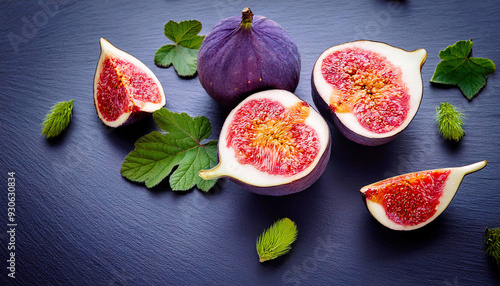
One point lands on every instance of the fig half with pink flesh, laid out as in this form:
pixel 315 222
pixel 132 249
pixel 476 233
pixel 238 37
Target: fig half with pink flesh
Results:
pixel 125 89
pixel 272 143
pixel 413 200
pixel 370 90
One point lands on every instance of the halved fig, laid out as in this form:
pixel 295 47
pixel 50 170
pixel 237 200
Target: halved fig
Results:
pixel 413 200
pixel 370 90
pixel 125 89
pixel 272 143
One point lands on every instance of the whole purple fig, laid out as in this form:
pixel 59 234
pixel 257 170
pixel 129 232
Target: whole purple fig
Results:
pixel 242 55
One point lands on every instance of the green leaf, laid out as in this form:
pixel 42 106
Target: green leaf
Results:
pixel 57 119
pixel 184 53
pixel 276 240
pixel 450 121
pixel 492 244
pixel 156 154
pixel 458 68
pixel 184 30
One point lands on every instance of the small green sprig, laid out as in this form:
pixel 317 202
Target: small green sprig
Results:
pixel 57 119
pixel 450 121
pixel 276 240
pixel 492 244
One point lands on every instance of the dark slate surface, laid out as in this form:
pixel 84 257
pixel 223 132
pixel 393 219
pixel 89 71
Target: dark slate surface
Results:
pixel 81 223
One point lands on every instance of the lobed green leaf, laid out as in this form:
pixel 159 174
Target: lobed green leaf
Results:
pixel 183 59
pixel 183 54
pixel 157 154
pixel 184 30
pixel 458 68
pixel 181 125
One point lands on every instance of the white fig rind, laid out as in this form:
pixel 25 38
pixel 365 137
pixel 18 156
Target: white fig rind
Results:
pixel 107 49
pixel 450 189
pixel 410 63
pixel 247 174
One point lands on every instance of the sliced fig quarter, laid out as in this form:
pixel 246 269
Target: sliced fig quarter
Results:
pixel 413 200
pixel 370 90
pixel 125 89
pixel 272 143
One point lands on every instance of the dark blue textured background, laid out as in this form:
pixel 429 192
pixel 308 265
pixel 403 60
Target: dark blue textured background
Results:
pixel 81 223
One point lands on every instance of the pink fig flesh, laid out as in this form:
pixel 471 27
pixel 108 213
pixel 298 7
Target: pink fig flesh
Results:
pixel 413 200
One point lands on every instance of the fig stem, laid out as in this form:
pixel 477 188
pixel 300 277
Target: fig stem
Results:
pixel 474 167
pixel 214 173
pixel 247 18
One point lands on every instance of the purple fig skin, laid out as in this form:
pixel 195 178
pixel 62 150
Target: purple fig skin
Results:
pixel 295 186
pixel 325 110
pixel 234 61
pixel 134 117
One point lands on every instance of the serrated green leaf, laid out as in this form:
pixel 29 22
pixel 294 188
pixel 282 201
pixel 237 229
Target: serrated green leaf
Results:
pixel 57 119
pixel 191 164
pixel 183 126
pixel 156 154
pixel 276 240
pixel 183 30
pixel 458 68
pixel 165 55
pixel 183 59
pixel 193 43
pixel 209 160
pixel 184 53
pixel 152 160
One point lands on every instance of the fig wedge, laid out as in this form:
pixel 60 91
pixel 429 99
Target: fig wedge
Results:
pixel 125 89
pixel 413 200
